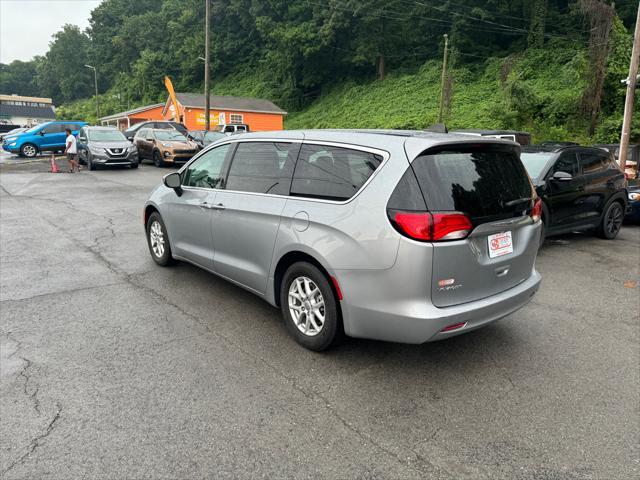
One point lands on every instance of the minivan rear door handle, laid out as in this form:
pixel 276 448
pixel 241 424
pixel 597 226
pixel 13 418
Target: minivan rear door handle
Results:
pixel 218 206
pixel 205 205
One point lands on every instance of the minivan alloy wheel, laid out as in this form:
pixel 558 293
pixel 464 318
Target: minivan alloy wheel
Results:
pixel 156 236
pixel 306 306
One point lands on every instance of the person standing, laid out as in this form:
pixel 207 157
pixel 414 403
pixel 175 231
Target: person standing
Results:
pixel 71 150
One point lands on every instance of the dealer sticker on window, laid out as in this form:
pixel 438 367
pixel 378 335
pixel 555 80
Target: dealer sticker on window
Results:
pixel 500 244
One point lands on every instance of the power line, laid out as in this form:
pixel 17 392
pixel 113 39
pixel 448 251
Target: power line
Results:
pixel 495 28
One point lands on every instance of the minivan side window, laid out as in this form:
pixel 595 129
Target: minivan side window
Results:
pixel 262 167
pixel 206 171
pixel 71 126
pixel 54 128
pixel 568 163
pixel 332 173
pixel 592 162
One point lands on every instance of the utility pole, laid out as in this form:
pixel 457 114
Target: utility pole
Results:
pixel 631 89
pixel 95 81
pixel 444 74
pixel 207 105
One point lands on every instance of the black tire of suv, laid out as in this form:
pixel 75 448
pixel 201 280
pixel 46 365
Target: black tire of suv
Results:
pixel 157 159
pixel 611 222
pixel 165 259
pixel 332 330
pixel 135 164
pixel 22 150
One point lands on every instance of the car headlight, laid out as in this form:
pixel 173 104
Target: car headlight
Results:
pixel 166 145
pixel 634 196
pixel 96 149
pixel 10 139
pixel 132 148
pixel 12 144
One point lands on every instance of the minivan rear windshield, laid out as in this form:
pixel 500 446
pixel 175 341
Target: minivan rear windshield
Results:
pixel 485 182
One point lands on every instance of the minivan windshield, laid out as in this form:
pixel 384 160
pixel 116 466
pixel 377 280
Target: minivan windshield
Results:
pixel 485 182
pixel 170 135
pixel 534 162
pixel 106 136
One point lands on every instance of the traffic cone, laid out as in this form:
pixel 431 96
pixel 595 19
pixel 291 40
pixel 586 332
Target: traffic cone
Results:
pixel 54 167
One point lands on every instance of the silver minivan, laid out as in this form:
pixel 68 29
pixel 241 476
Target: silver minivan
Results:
pixel 404 236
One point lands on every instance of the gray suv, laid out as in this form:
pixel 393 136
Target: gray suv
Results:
pixel 105 146
pixel 401 236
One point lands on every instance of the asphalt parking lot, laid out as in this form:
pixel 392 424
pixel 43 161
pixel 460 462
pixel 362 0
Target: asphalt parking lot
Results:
pixel 112 367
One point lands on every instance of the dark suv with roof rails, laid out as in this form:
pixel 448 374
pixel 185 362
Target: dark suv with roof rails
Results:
pixel 581 188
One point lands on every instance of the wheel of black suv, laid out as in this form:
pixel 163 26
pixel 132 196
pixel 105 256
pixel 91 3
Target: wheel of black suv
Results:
pixel 28 150
pixel 135 163
pixel 158 240
pixel 157 159
pixel 309 307
pixel 611 221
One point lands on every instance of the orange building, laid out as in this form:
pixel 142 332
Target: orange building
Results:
pixel 124 120
pixel 259 114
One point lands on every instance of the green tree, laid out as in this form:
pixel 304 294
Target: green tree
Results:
pixel 62 73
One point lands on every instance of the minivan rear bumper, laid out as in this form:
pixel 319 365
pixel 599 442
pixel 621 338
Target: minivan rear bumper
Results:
pixel 418 321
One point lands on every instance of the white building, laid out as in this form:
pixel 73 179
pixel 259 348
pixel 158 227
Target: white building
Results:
pixel 25 111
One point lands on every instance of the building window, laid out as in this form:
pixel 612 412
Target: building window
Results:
pixel 235 118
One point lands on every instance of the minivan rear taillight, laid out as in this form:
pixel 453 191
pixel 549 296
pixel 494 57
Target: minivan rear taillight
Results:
pixel 430 227
pixel 536 211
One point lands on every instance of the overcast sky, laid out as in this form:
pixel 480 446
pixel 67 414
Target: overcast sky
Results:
pixel 26 26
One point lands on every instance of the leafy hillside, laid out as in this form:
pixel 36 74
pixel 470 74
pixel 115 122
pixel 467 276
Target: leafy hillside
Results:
pixel 552 67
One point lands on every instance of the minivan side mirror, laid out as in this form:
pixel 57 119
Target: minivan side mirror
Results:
pixel 562 176
pixel 41 133
pixel 173 180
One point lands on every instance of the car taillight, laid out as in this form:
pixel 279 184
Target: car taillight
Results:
pixel 431 227
pixel 536 211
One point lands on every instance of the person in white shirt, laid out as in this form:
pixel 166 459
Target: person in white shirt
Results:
pixel 71 151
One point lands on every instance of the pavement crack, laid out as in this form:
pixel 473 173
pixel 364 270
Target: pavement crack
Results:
pixel 58 292
pixel 30 387
pixel 36 441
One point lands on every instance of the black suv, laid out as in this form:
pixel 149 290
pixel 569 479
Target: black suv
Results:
pixel 580 187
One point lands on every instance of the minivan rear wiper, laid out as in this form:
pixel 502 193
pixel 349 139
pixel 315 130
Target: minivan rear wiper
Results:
pixel 511 203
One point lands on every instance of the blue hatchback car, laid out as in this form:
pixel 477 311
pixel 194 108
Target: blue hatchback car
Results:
pixel 48 136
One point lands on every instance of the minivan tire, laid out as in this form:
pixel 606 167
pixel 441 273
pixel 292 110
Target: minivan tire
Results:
pixel 157 159
pixel 155 226
pixel 611 222
pixel 28 150
pixel 331 330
